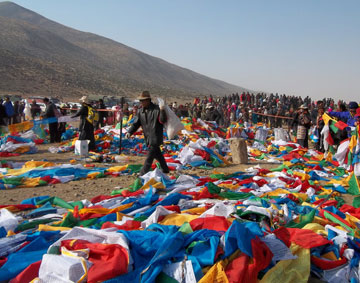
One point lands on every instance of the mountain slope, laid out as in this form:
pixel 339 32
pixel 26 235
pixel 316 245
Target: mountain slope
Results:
pixel 43 57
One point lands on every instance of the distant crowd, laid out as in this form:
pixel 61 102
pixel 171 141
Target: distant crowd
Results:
pixel 272 109
pixel 295 113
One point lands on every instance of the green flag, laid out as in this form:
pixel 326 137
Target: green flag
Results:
pixel 353 185
pixel 303 220
pixel 213 189
pixel 356 202
pixel 164 278
pixel 333 127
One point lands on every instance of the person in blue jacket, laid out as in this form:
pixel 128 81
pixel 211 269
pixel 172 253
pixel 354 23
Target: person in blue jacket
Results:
pixel 9 110
pixel 347 116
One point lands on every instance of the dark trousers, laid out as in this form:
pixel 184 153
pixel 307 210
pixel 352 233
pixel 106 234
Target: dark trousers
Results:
pixel 304 142
pixel 54 133
pixel 154 153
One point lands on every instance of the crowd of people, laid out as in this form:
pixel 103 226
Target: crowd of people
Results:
pixel 273 109
pixel 11 113
pixel 294 113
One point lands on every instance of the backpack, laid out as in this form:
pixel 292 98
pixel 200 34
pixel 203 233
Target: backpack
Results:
pixel 93 116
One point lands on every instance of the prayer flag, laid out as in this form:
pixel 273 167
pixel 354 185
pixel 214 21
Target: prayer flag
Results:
pixel 353 185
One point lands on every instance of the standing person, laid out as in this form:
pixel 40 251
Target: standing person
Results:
pixel 22 111
pixel 35 109
pixel 151 118
pixel 319 126
pixel 2 117
pixel 278 120
pixel 303 122
pixel 62 125
pixel 50 112
pixel 17 115
pixel 86 126
pixel 102 114
pixel 272 112
pixel 9 110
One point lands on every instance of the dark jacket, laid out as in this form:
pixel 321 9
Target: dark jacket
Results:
pixel 50 110
pixel 9 108
pixel 2 115
pixel 213 115
pixel 86 128
pixel 85 125
pixel 151 120
pixel 35 110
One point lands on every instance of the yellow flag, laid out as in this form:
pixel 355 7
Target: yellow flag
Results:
pixel 353 142
pixel 327 118
pixel 292 270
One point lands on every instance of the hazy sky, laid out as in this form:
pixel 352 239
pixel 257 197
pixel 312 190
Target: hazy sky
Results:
pixel 295 47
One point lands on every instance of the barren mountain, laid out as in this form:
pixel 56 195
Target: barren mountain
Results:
pixel 41 57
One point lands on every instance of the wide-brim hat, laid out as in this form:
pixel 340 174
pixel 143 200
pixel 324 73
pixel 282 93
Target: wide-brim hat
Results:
pixel 208 105
pixel 303 107
pixel 144 95
pixel 83 99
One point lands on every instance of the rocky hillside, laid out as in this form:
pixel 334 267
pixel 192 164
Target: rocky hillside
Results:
pixel 41 57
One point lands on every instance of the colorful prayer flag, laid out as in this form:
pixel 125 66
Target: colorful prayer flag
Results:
pixel 353 185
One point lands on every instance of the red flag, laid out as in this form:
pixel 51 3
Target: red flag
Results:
pixel 302 237
pixel 340 125
pixel 217 223
pixel 109 260
pixel 326 264
pixel 330 140
pixel 128 225
pixel 28 274
pixel 246 269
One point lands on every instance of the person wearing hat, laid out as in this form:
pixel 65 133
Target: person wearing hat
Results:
pixel 151 118
pixel 86 127
pixel 302 120
pixel 212 114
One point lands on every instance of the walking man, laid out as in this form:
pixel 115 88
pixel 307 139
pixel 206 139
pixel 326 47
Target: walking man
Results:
pixel 151 118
